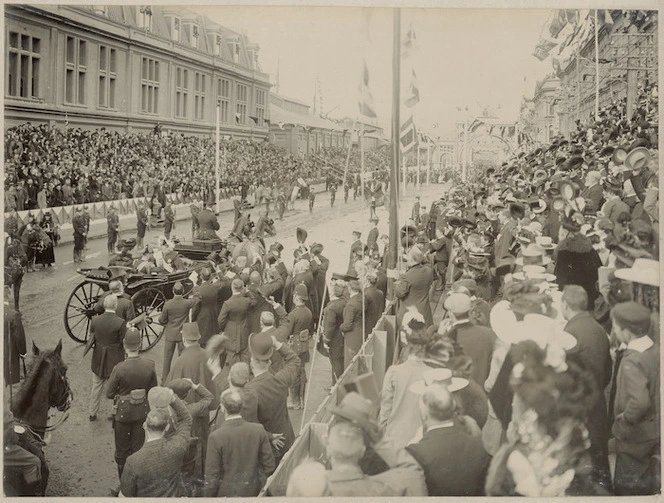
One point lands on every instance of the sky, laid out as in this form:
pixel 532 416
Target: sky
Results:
pixel 464 58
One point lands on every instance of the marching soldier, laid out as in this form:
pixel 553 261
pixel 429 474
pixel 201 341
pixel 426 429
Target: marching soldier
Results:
pixel 128 386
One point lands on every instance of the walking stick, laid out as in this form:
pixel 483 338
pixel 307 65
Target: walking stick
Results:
pixel 313 359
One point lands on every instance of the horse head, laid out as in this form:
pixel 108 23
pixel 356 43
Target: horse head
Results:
pixel 45 386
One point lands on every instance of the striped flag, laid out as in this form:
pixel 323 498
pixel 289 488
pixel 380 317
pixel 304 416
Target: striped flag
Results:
pixel 366 101
pixel 409 43
pixel 408 136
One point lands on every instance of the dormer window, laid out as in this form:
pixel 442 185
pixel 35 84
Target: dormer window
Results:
pixel 145 17
pixel 234 46
pixel 194 36
pixel 217 45
pixel 175 32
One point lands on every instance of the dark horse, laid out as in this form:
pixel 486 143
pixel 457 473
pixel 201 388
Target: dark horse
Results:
pixel 45 386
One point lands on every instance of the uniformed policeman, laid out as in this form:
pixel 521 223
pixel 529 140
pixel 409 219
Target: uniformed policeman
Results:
pixel 128 386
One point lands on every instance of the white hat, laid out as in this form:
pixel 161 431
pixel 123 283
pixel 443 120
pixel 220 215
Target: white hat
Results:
pixel 532 255
pixel 545 242
pixel 644 271
pixel 442 376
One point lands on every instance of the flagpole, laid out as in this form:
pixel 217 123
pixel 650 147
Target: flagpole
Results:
pixel 465 148
pixel 216 159
pixel 596 65
pixel 396 151
pixel 361 142
pixel 350 145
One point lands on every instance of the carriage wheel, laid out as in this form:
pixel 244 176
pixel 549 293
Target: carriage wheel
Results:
pixel 79 310
pixel 151 302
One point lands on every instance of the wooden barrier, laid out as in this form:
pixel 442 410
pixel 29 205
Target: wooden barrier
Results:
pixel 375 356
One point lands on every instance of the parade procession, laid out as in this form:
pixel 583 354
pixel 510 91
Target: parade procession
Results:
pixel 191 311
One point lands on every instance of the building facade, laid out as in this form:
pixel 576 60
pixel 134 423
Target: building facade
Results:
pixel 130 68
pixel 627 47
pixel 539 119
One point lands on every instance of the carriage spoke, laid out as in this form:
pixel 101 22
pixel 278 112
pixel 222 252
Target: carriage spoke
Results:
pixel 79 299
pixel 87 329
pixel 76 315
pixel 78 322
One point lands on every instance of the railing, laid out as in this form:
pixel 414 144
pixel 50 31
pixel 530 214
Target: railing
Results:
pixel 375 356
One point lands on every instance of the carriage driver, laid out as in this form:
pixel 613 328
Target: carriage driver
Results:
pixel 207 222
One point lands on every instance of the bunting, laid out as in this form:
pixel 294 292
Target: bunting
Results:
pixel 543 49
pixel 409 43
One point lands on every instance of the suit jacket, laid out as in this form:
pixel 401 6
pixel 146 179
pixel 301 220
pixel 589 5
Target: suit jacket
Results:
pixel 78 222
pixel 141 217
pixel 206 311
pixel 399 409
pixel 613 208
pixel 155 470
pixel 454 463
pixel 125 309
pixel 595 195
pixel 333 316
pixel 113 222
pixel 192 364
pixel 504 240
pixel 207 224
pixel 637 396
pixel 372 239
pixel 412 289
pixel 355 248
pixel 271 391
pixel 174 315
pixel 109 331
pixel 133 373
pixel 319 279
pixel 375 301
pixel 592 348
pixel 239 459
pixel 477 342
pixel 254 314
pixel 233 321
pixel 352 327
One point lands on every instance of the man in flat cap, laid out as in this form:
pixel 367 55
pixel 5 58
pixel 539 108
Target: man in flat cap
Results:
pixel 637 403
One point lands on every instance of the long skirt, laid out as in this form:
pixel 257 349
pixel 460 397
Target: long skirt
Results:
pixel 45 256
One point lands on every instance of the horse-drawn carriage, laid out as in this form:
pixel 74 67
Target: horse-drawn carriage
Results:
pixel 148 292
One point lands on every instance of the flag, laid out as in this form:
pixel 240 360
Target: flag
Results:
pixel 255 119
pixel 408 136
pixel 543 49
pixel 605 16
pixel 366 101
pixel 409 43
pixel 473 127
pixel 413 92
pixel 237 118
pixel 280 124
pixel 557 23
pixel 572 16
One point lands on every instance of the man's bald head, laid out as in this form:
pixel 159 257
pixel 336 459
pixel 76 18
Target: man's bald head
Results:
pixel 439 402
pixel 267 319
pixel 255 278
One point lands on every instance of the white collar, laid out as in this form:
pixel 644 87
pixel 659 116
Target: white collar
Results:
pixel 446 424
pixel 641 344
pixel 233 416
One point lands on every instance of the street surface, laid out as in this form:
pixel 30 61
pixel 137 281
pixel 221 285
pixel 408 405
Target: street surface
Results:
pixel 80 453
